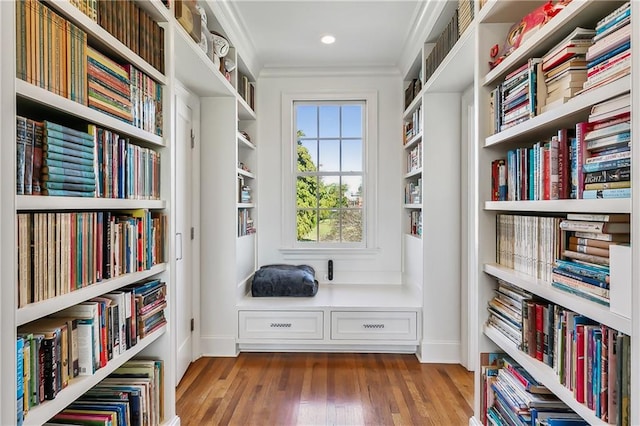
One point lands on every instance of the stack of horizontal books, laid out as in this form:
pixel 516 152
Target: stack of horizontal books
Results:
pixel 610 56
pixel 584 269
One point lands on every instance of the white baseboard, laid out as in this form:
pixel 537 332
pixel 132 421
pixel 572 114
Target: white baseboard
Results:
pixel 441 352
pixel 218 346
pixel 175 421
pixel 474 422
pixel 338 348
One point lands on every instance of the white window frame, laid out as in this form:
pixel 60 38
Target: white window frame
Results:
pixel 290 245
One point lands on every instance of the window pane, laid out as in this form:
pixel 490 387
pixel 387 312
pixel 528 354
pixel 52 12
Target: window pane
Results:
pixel 307 225
pixel 329 227
pixel 329 121
pixel 331 192
pixel 352 226
pixel 352 186
pixel 352 121
pixel 329 155
pixel 352 155
pixel 307 120
pixel 308 155
pixel 307 191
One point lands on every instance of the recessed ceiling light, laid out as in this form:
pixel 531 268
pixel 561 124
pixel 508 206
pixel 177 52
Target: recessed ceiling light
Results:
pixel 328 39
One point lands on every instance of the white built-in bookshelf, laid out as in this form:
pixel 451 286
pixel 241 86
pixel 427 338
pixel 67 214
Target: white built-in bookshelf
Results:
pixel 491 24
pixel 24 98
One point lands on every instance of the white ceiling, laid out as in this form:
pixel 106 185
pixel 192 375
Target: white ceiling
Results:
pixel 285 34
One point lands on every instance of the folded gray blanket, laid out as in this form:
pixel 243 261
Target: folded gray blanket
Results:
pixel 284 280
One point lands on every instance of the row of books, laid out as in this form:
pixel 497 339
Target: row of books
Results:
pixel 589 161
pixel 515 99
pixel 512 397
pixel 53 53
pixel 57 160
pixel 130 396
pixel 247 90
pixel 609 58
pixel 443 45
pixel 585 59
pixel 81 339
pixel 245 223
pixel 60 252
pixel 135 28
pixel 590 359
pixel 465 15
pixel 413 192
pixel 415 223
pixel 414 158
pixel 413 127
pixel 124 170
pixel 528 244
pixel 50 51
pixel 109 86
pixel 584 267
pixel 411 91
pixel 130 24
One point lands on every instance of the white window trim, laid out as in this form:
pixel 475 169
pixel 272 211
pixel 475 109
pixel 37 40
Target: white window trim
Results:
pixel 290 245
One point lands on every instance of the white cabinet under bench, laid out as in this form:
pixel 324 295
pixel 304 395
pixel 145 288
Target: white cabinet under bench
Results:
pixel 339 317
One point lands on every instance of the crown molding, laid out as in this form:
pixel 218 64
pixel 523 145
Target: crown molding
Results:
pixel 374 71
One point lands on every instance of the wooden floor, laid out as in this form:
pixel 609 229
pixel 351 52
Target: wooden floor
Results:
pixel 324 389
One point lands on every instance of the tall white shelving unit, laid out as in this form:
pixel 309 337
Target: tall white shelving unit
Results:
pixel 492 23
pixel 15 94
pixel 432 261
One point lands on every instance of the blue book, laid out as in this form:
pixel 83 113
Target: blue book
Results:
pixel 609 54
pixel 580 277
pixel 591 194
pixel 592 271
pixel 555 421
pixel 582 294
pixel 622 16
pixel 20 380
pixel 606 165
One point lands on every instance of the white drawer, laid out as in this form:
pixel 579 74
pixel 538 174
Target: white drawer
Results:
pixel 373 325
pixel 280 324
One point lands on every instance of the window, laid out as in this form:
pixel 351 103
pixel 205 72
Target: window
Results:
pixel 329 150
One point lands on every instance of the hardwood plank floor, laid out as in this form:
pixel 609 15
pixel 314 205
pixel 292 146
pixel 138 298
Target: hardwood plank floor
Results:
pixel 324 389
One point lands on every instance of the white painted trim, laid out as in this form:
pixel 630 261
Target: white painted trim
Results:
pixel 474 422
pixel 445 352
pixel 224 346
pixel 174 421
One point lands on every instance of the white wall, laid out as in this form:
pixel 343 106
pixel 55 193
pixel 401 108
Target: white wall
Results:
pixel 379 266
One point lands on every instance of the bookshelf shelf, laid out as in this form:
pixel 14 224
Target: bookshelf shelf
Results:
pixel 246 205
pixel 34 202
pixel 37 310
pixel 415 103
pixel 244 143
pixel 45 98
pixel 244 110
pixel 413 173
pixel 78 386
pixel 246 174
pixel 575 14
pixel 575 110
pixel 412 206
pixel 577 304
pixel 413 141
pixel 200 75
pixel 620 205
pixel 455 73
pixel 500 11
pixel 99 37
pixel 544 374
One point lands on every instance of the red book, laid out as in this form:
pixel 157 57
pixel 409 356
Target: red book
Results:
pixel 539 331
pixel 564 164
pixel 581 130
pixel 578 391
